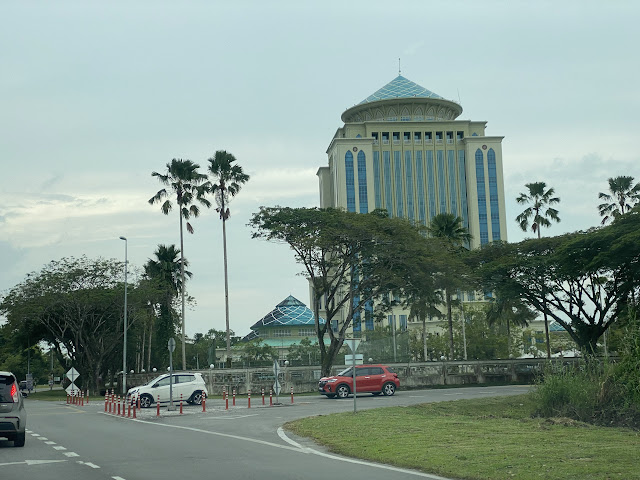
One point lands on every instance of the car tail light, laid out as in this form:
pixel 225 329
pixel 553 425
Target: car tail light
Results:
pixel 14 393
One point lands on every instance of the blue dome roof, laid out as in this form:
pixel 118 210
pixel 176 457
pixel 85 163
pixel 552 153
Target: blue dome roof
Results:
pixel 400 87
pixel 290 311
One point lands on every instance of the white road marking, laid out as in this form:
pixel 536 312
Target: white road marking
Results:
pixel 88 464
pixel 117 478
pixel 35 434
pixel 71 454
pixel 49 442
pixel 232 418
pixel 60 447
pixel 282 435
pixel 32 462
pixel 43 438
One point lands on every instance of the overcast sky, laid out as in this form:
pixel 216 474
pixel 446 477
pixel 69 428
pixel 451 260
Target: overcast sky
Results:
pixel 94 96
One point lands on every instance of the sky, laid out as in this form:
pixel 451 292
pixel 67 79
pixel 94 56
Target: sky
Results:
pixel 94 96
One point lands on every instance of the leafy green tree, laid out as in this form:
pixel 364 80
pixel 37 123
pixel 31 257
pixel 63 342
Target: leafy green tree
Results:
pixel 188 186
pixel 350 260
pixel 304 353
pixel 622 197
pixel 448 228
pixel 582 280
pixel 257 351
pixel 228 178
pixel 76 305
pixel 509 310
pixel 538 214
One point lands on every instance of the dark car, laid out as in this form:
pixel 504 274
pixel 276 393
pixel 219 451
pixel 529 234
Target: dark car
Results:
pixel 374 379
pixel 13 416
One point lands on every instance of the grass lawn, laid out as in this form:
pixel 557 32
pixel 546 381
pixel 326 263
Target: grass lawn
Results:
pixel 493 438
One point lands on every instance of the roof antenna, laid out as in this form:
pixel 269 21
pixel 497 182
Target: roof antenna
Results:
pixel 399 70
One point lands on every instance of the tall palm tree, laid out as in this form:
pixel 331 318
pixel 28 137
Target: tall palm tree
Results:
pixel 509 311
pixel 188 186
pixel 449 228
pixel 622 197
pixel 227 180
pixel 540 213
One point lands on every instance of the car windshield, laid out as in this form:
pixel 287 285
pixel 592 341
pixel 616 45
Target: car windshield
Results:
pixel 155 379
pixel 346 373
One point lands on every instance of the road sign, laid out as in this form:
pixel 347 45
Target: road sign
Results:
pixel 348 359
pixel 73 374
pixel 353 343
pixel 276 370
pixel 172 344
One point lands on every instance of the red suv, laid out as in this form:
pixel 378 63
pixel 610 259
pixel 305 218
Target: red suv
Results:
pixel 374 379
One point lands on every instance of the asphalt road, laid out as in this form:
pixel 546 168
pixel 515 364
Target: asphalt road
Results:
pixel 82 442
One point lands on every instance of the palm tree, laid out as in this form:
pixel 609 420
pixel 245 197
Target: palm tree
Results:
pixel 509 311
pixel 449 228
pixel 227 179
pixel 164 271
pixel 622 198
pixel 189 186
pixel 540 214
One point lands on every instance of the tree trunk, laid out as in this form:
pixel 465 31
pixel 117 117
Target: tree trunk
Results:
pixel 450 320
pixel 182 289
pixel 424 338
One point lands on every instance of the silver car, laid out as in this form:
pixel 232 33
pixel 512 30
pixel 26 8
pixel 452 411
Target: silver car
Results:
pixel 13 416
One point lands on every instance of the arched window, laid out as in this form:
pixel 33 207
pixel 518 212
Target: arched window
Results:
pixel 362 183
pixel 349 176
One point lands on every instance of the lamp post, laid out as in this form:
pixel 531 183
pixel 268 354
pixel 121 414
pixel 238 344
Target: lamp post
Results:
pixel 124 349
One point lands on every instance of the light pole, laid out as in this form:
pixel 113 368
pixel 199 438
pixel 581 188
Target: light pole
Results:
pixel 124 349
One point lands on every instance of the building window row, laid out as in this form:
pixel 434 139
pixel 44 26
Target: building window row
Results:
pixel 417 137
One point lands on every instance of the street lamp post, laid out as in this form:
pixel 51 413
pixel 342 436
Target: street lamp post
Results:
pixel 124 349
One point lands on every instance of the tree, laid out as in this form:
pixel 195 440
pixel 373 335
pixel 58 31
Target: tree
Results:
pixel 165 273
pixel 188 186
pixel 76 305
pixel 303 353
pixel 622 196
pixel 508 310
pixel 228 178
pixel 449 229
pixel 583 280
pixel 257 351
pixel 539 214
pixel 350 259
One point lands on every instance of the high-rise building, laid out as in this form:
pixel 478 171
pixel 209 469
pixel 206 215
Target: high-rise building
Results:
pixel 402 149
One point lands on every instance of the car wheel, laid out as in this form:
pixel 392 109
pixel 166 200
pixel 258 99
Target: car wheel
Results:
pixel 196 397
pixel 342 391
pixel 146 400
pixel 389 389
pixel 19 439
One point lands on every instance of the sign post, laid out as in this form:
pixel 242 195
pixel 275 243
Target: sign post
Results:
pixel 353 345
pixel 171 346
pixel 72 375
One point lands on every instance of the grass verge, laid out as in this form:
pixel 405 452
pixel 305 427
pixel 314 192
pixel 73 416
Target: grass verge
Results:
pixel 493 438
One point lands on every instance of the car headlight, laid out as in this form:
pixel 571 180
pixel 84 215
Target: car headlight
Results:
pixel 333 380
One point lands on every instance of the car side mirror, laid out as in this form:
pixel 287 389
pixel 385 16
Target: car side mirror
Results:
pixel 154 385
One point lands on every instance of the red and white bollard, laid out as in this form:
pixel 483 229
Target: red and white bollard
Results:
pixel 180 404
pixel 234 397
pixel 158 407
pixel 128 407
pixel 118 402
pixel 87 392
pixel 204 400
pixel 138 401
pixel 81 399
pixel 226 403
pixel 249 398
pixel 224 392
pixel 262 391
pixel 106 401
pixel 291 394
pixel 271 397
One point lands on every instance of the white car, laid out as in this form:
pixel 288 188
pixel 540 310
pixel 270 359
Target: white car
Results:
pixel 189 387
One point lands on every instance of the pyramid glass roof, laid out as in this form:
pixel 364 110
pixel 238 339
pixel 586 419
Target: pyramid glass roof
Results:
pixel 400 87
pixel 290 312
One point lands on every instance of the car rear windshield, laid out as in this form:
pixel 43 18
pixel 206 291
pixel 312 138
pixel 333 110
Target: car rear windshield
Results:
pixel 5 388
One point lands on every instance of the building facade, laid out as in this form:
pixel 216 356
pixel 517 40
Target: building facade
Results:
pixel 404 149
